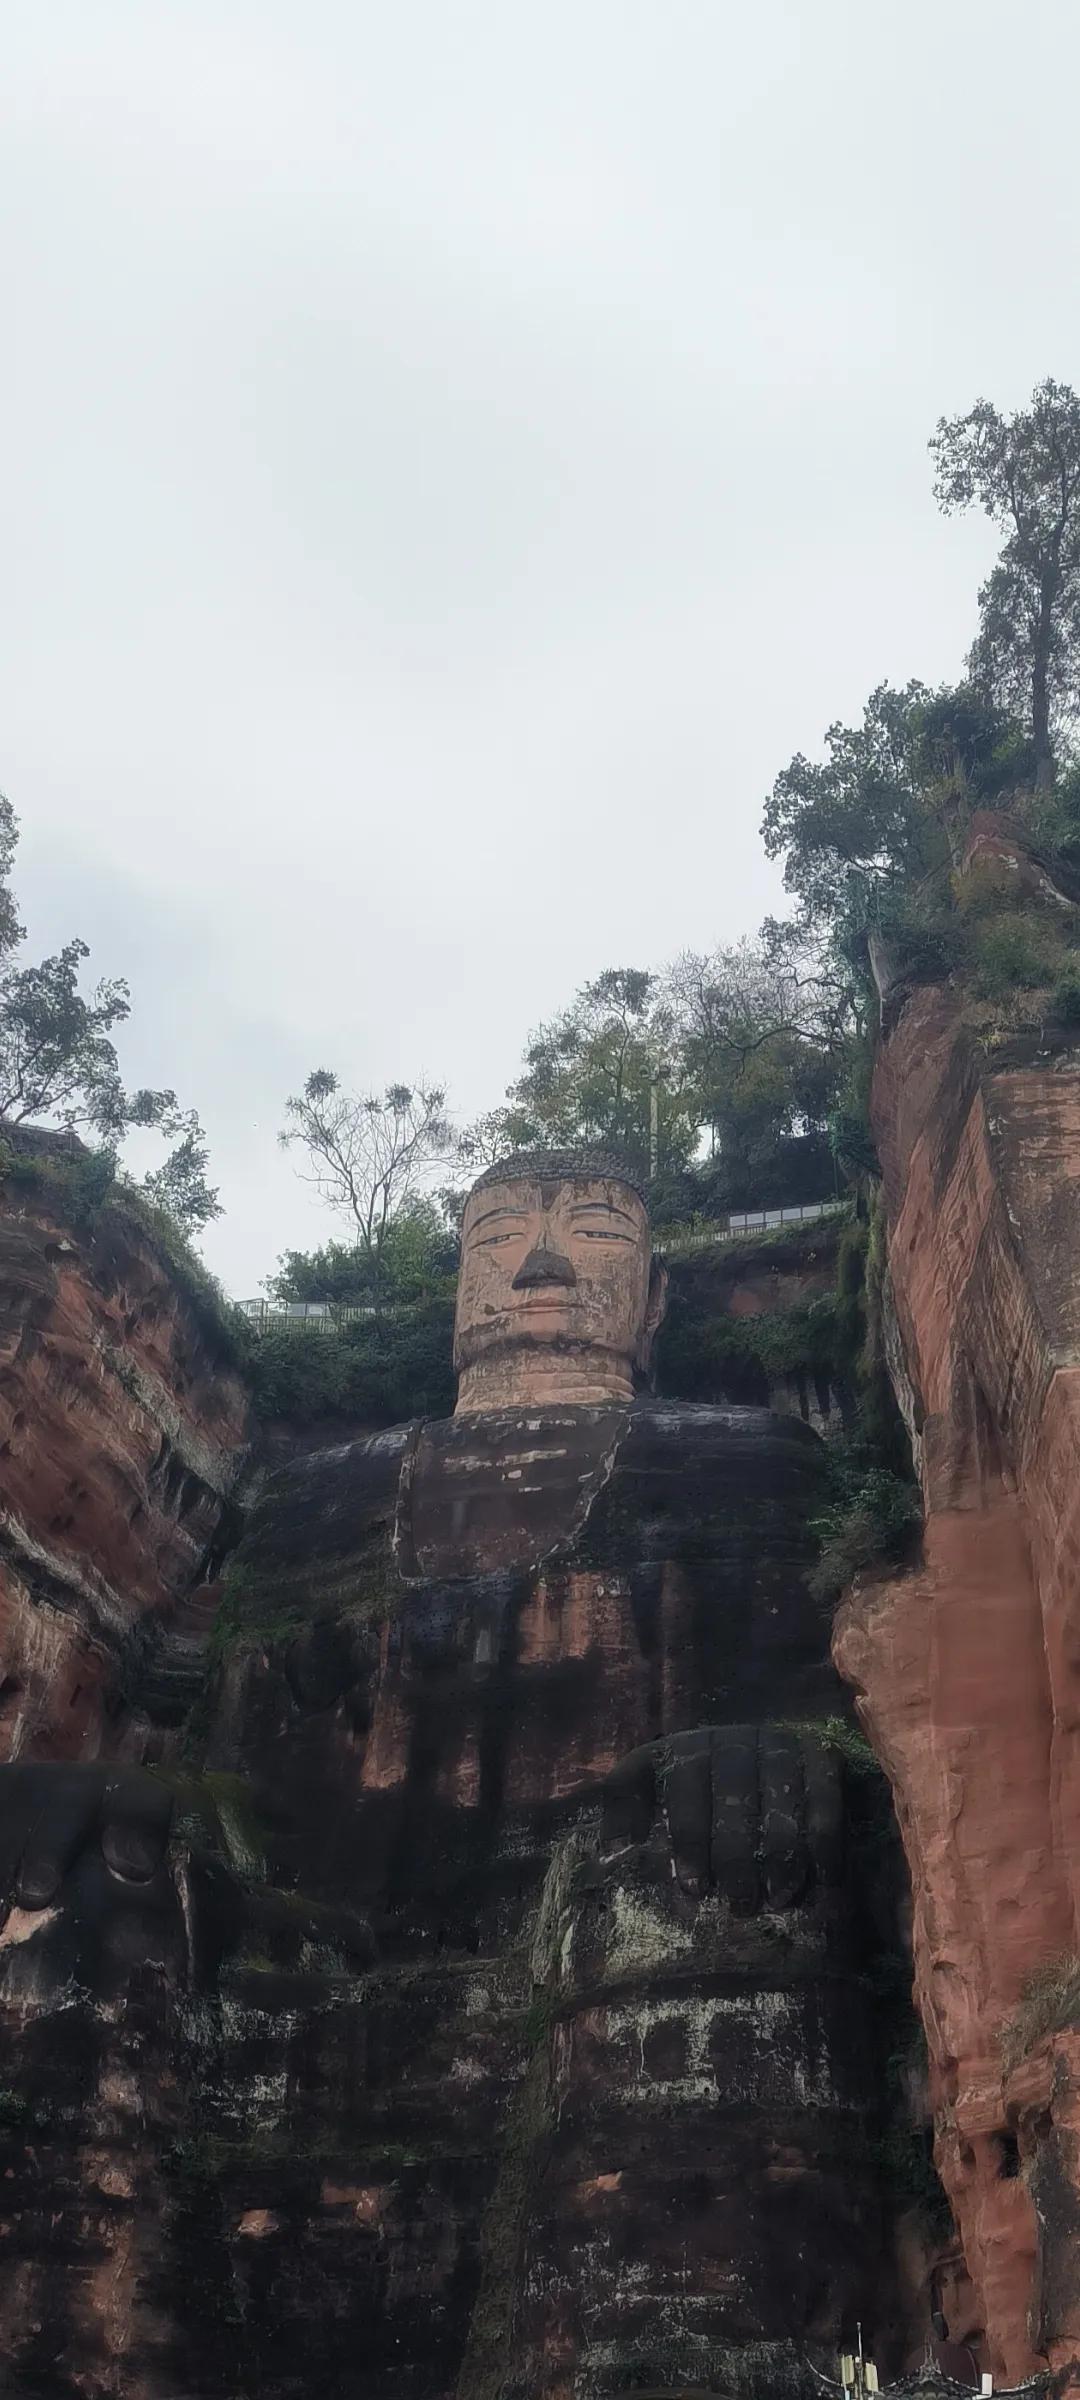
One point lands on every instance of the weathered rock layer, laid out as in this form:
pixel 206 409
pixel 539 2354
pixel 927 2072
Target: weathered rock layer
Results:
pixel 968 1668
pixel 122 1433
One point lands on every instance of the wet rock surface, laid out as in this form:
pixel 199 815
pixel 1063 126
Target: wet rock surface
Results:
pixel 476 2002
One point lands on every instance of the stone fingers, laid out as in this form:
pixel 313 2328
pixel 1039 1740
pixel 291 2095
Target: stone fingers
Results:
pixel 824 1810
pixel 14 1825
pixel 785 1862
pixel 735 1815
pixel 628 1806
pixel 753 1812
pixel 688 1804
pixel 57 1807
pixel 136 1814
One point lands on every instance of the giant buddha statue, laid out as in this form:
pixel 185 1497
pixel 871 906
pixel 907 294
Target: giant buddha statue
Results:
pixel 538 1694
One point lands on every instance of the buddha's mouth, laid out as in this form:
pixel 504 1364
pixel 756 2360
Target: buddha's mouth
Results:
pixel 550 1304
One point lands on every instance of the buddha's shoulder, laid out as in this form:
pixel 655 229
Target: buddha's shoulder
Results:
pixel 671 1437
pixel 331 1501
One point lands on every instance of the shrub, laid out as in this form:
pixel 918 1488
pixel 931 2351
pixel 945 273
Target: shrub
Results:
pixel 990 887
pixel 1049 2003
pixel 874 1519
pixel 90 1189
pixel 1065 997
pixel 705 1353
pixel 377 1370
pixel 1011 953
pixel 929 939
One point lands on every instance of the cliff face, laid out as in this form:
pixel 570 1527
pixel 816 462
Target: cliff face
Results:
pixel 752 1321
pixel 587 2099
pixel 480 1994
pixel 968 1668
pixel 122 1432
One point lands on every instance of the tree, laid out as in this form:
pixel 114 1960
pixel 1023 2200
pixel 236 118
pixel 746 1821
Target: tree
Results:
pixel 763 1029
pixel 179 1185
pixel 58 1061
pixel 606 1071
pixel 1024 470
pixel 369 1155
pixel 419 1254
pixel 860 830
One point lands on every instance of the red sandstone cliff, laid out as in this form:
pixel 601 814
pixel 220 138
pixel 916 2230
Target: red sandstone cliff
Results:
pixel 122 1430
pixel 968 1669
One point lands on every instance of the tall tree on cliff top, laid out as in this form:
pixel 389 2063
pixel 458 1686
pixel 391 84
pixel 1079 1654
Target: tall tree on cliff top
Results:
pixel 762 1031
pixel 860 829
pixel 1024 470
pixel 369 1154
pixel 58 1061
pixel 606 1070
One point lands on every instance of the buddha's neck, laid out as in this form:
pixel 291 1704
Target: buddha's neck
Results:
pixel 535 1378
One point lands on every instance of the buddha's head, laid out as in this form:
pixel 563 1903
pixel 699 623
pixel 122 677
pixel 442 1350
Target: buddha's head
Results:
pixel 559 1297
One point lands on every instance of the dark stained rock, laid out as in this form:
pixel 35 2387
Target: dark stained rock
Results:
pixel 594 2104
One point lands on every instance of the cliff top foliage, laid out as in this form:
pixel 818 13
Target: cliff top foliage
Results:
pixel 58 1061
pixel 88 1189
pixel 1049 2003
pixel 732 1078
pixel 725 1074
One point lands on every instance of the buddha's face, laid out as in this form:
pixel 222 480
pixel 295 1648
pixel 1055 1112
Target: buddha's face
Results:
pixel 554 1291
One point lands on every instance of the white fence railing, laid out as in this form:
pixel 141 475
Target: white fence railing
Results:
pixel 739 1223
pixel 319 1316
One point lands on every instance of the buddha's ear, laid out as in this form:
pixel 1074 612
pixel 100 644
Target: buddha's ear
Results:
pixel 655 1305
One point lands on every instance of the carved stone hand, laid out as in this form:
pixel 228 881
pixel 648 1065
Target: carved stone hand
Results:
pixel 752 1812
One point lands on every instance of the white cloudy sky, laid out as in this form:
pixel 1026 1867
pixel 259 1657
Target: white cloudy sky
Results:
pixel 454 451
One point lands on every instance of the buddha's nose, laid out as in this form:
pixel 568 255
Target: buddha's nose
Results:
pixel 543 1265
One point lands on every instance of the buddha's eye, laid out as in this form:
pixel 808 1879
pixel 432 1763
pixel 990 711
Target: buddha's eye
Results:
pixel 491 1241
pixel 598 1233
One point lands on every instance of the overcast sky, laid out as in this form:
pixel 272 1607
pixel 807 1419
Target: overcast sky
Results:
pixel 454 452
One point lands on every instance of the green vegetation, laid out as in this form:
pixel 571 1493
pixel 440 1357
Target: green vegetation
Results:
pixel 417 1261
pixel 705 1353
pixel 1049 2003
pixel 843 1739
pixel 89 1190
pixel 377 1371
pixel 367 1155
pixel 736 1046
pixel 904 2157
pixel 874 1510
pixel 1024 472
pixel 872 1520
pixel 250 1610
pixel 741 1077
pixel 607 1071
pixel 58 1062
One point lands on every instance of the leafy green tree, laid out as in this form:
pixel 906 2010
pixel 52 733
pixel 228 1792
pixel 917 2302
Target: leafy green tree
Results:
pixel 369 1155
pixel 762 1030
pixel 861 830
pixel 1024 471
pixel 419 1256
pixel 179 1185
pixel 378 1370
pixel 58 1061
pixel 606 1071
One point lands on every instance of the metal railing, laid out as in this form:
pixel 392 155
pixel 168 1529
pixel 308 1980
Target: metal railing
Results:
pixel 316 1316
pixel 741 1222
